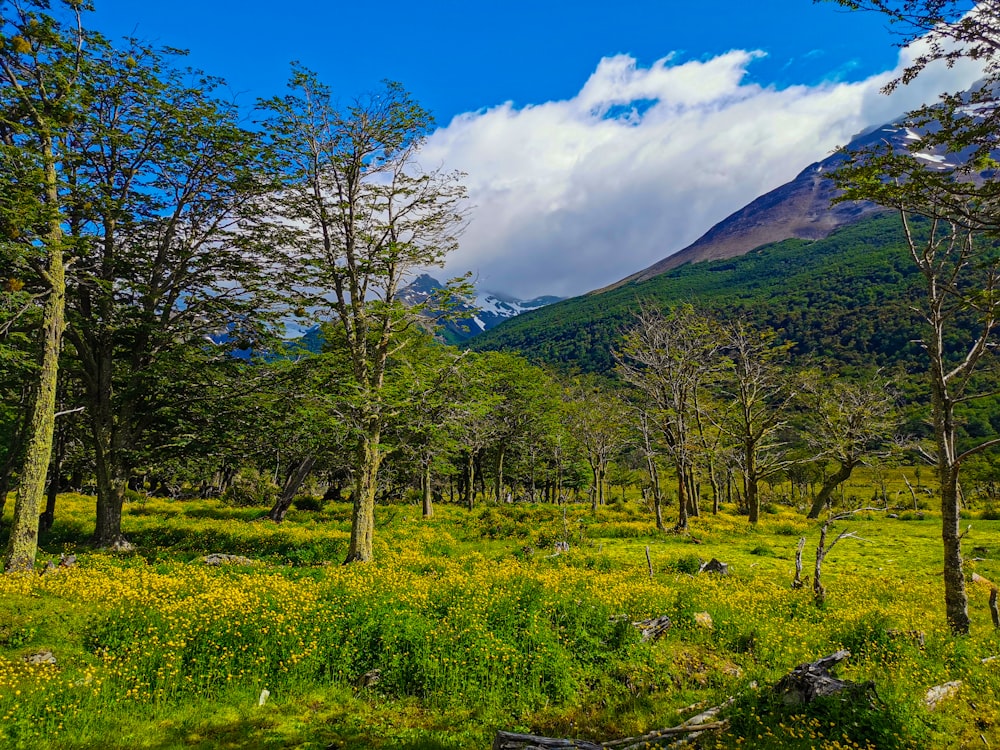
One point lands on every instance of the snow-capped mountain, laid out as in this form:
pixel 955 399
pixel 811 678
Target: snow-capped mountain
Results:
pixel 485 311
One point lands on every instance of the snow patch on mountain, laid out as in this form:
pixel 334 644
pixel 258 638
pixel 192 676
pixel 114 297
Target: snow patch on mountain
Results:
pixel 485 309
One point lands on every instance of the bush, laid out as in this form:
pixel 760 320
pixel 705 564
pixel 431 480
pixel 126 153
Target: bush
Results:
pixel 990 513
pixel 309 503
pixel 133 496
pixel 689 564
pixel 250 488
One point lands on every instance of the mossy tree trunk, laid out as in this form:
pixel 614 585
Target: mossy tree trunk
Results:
pixel 23 543
pixel 368 457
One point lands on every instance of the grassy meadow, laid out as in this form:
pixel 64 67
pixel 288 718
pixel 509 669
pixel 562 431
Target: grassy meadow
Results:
pixel 474 625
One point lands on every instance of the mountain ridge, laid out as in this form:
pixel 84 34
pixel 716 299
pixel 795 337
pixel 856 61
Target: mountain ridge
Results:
pixel 804 208
pixel 485 310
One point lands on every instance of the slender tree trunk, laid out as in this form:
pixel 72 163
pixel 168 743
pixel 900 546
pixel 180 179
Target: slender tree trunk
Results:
pixel 955 597
pixel 470 476
pixel 47 518
pixel 716 490
pixel 368 459
pixel 693 492
pixel 293 481
pixel 654 478
pixel 23 544
pixel 481 475
pixel 682 502
pixel 751 483
pixel 498 486
pixel 425 481
pixel 595 495
pixel 842 474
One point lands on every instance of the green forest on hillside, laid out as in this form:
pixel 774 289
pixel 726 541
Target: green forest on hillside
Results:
pixel 847 298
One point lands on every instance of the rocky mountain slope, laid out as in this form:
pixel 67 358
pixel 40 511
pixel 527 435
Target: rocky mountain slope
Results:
pixel 800 209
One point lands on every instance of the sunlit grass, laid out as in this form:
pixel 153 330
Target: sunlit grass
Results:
pixel 474 623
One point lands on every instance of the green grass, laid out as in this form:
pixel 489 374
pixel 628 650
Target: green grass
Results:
pixel 475 625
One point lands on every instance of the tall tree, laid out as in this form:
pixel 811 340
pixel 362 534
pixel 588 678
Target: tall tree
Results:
pixel 166 178
pixel 428 387
pixel 668 358
pixel 942 211
pixel 849 423
pixel 358 215
pixel 597 419
pixel 41 61
pixel 756 392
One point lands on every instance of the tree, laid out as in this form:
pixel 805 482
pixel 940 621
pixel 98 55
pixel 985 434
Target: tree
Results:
pixel 428 388
pixel 668 358
pixel 41 59
pixel 756 390
pixel 848 422
pixel 942 212
pixel 356 215
pixel 166 181
pixel 597 419
pixel 525 414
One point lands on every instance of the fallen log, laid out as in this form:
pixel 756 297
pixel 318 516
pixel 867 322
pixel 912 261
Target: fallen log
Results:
pixel 692 728
pixel 513 741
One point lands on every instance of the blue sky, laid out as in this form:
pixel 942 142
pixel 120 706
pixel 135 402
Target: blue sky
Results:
pixel 458 56
pixel 597 137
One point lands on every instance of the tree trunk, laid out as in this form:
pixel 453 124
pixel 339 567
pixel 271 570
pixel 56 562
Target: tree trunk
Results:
pixel 47 518
pixel 842 474
pixel 111 484
pixel 594 496
pixel 470 476
pixel 682 502
pixel 716 490
pixel 750 481
pixel 425 481
pixel 955 597
pixel 369 457
pixel 654 478
pixel 293 481
pixel 693 492
pixel 23 544
pixel 498 487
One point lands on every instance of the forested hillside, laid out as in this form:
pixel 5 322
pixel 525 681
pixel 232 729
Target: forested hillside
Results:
pixel 846 298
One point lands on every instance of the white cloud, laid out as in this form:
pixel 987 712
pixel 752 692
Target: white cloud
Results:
pixel 572 195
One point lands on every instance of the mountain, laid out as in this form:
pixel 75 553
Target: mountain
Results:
pixel 800 209
pixel 821 274
pixel 847 297
pixel 484 312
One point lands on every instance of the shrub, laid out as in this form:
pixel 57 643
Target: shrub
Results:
pixel 133 496
pixel 689 564
pixel 990 513
pixel 309 503
pixel 250 488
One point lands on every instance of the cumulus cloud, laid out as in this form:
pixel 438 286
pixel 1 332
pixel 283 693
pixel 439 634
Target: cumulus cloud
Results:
pixel 575 194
